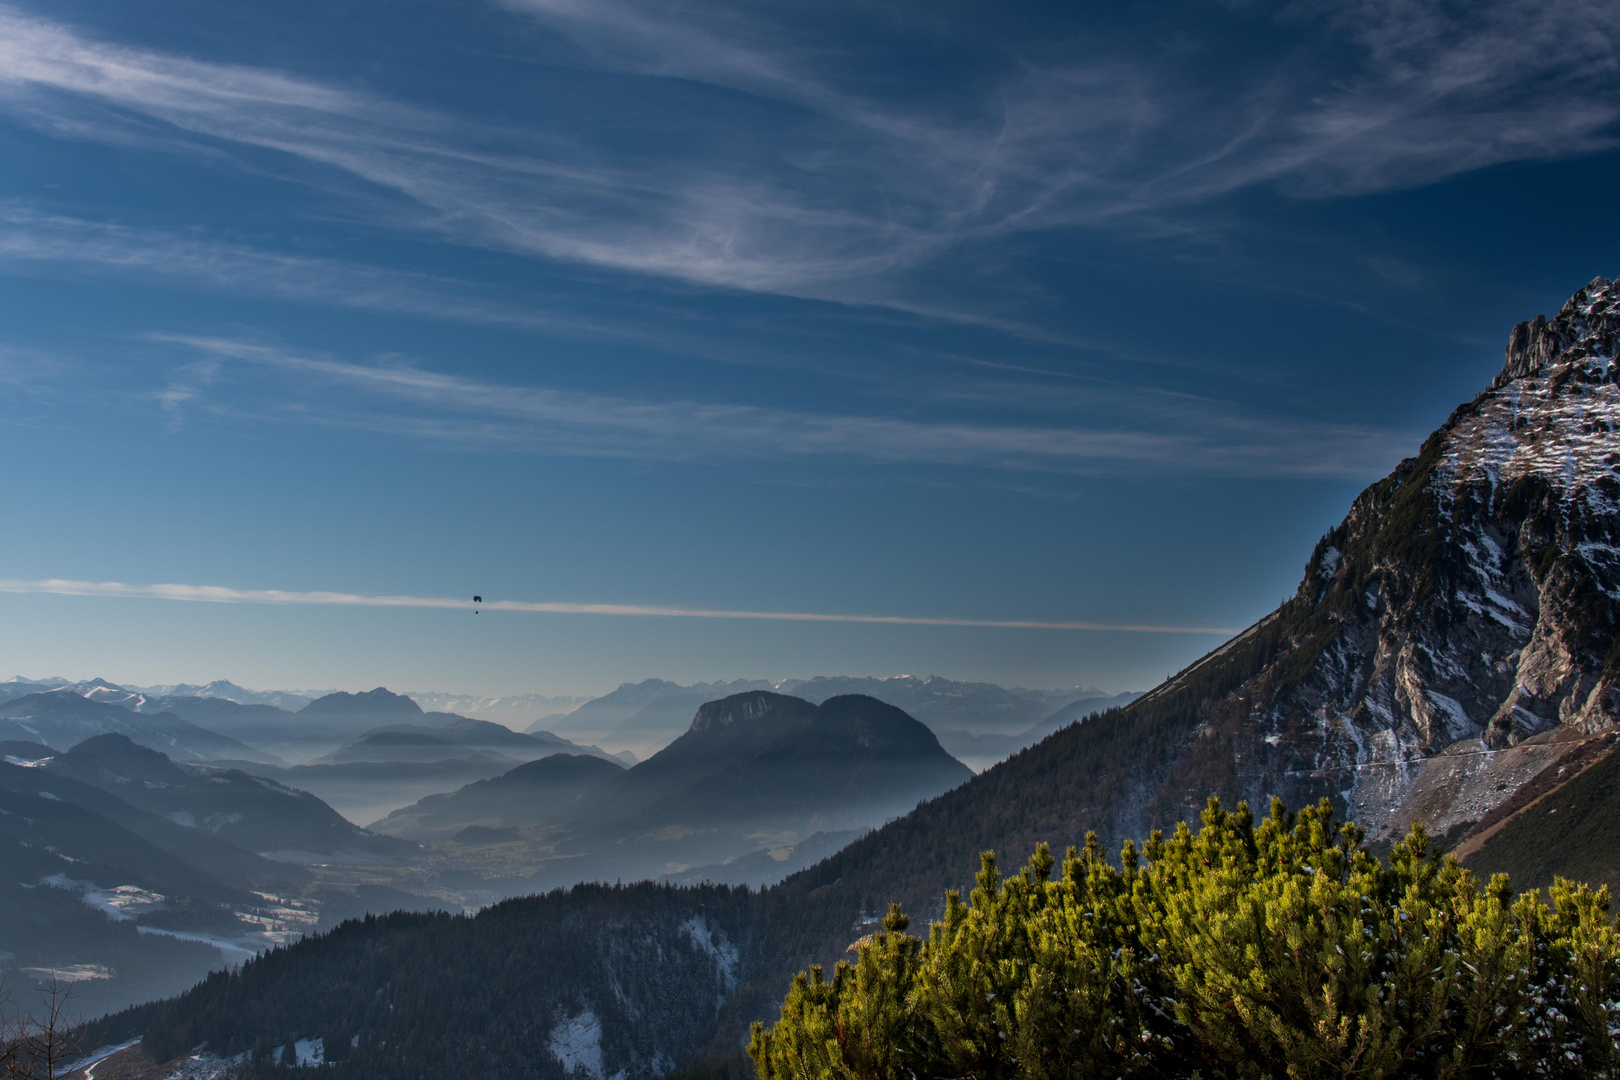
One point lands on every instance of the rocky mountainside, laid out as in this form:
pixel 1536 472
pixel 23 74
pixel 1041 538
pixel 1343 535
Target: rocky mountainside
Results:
pixel 1455 635
pixel 1452 641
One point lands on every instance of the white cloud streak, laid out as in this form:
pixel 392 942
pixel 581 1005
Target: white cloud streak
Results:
pixel 458 409
pixel 214 594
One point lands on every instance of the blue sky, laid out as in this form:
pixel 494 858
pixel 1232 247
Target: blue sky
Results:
pixel 921 312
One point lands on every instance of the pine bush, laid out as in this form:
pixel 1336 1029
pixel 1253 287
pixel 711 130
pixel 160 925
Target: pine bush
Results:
pixel 1278 949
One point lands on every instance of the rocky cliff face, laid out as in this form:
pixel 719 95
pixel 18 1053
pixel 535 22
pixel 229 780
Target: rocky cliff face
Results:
pixel 1455 635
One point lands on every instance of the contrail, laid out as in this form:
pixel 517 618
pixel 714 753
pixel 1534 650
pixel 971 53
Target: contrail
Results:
pixel 215 594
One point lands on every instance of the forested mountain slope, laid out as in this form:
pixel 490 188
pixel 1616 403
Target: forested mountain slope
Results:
pixel 597 981
pixel 128 903
pixel 253 813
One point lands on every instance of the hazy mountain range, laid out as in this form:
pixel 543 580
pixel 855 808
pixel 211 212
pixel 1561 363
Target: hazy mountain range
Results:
pixel 62 718
pixel 753 769
pixel 979 723
pixel 185 862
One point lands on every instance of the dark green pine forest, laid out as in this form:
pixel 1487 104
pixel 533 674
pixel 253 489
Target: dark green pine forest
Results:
pixel 434 994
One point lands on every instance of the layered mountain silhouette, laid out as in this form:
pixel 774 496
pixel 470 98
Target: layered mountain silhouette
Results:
pixel 643 714
pixel 951 705
pixel 103 822
pixel 317 728
pixel 83 874
pixel 127 901
pixel 756 767
pixel 978 722
pixel 250 812
pixel 459 738
pixel 535 793
pixel 260 725
pixel 64 718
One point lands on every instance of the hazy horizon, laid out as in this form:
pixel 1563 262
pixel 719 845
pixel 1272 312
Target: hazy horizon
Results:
pixel 142 685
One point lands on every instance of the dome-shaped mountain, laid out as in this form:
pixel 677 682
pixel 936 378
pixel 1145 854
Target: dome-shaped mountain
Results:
pixel 374 705
pixel 531 794
pixel 753 768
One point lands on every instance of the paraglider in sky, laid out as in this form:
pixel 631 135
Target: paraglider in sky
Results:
pixel 477 600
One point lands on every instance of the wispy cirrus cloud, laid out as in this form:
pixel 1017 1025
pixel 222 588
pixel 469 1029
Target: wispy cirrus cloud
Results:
pixel 218 594
pixel 1150 432
pixel 33 238
pixel 1351 98
pixel 857 188
pixel 514 190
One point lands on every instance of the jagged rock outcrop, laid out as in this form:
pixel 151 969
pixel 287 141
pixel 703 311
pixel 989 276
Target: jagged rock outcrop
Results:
pixel 1455 634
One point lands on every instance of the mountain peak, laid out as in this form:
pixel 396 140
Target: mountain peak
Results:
pixel 748 707
pixel 1587 327
pixel 380 701
pixel 224 688
pixel 1550 416
pixel 115 746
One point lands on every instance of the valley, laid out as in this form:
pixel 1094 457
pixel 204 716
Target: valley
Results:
pixel 1447 662
pixel 199 847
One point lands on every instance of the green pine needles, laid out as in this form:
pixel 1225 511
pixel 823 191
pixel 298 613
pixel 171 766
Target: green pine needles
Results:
pixel 1283 949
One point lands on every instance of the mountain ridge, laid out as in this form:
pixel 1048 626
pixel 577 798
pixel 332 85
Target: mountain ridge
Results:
pixel 1451 640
